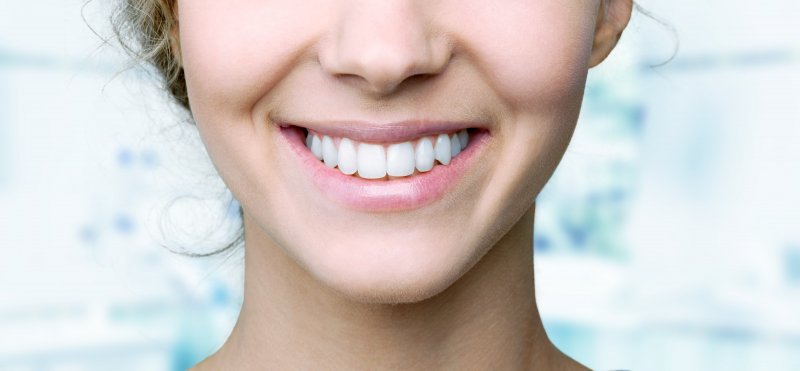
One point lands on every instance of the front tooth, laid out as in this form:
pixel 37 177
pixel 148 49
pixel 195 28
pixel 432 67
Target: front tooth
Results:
pixel 329 153
pixel 424 155
pixel 400 159
pixel 442 149
pixel 348 157
pixel 455 145
pixel 316 147
pixel 463 138
pixel 371 161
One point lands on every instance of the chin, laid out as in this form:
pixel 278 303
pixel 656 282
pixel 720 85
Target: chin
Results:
pixel 389 272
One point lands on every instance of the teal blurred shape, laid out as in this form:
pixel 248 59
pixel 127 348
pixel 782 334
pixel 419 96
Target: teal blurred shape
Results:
pixel 791 265
pixel 124 224
pixel 5 150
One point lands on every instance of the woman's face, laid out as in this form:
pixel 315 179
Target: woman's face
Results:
pixel 391 77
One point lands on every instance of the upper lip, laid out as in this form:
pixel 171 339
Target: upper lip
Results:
pixel 399 131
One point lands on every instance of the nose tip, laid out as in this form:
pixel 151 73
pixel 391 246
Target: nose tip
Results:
pixel 382 68
pixel 378 48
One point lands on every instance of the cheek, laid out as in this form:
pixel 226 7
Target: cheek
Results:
pixel 535 56
pixel 538 55
pixel 234 52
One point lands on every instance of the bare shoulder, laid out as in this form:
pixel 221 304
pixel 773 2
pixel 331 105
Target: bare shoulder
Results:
pixel 563 362
pixel 207 364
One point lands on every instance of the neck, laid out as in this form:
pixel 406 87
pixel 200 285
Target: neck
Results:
pixel 488 319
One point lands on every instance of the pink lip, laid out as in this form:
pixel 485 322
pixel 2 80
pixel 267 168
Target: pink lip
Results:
pixel 383 195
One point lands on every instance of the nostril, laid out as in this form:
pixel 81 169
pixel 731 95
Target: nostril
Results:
pixel 372 86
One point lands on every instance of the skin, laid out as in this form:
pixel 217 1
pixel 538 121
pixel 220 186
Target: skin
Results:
pixel 446 286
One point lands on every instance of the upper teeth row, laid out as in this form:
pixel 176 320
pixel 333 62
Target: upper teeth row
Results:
pixel 375 161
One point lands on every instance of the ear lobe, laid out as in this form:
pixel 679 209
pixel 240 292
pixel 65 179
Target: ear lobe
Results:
pixel 612 18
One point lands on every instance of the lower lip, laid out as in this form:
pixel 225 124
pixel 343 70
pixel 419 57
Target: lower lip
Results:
pixel 384 195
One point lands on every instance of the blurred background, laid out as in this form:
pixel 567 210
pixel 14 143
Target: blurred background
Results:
pixel 669 238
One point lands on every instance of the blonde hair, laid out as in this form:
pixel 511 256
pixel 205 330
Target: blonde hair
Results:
pixel 147 30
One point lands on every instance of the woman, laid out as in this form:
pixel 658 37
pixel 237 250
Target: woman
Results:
pixel 386 155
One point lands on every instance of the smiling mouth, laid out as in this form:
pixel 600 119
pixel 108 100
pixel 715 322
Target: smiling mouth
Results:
pixel 386 168
pixel 387 160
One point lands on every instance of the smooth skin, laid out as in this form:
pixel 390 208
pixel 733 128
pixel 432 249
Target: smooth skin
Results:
pixel 448 286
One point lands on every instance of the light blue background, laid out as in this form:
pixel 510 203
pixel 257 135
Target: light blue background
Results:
pixel 669 238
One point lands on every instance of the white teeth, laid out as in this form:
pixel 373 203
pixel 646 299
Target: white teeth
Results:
pixel 455 146
pixel 424 155
pixel 400 159
pixel 375 161
pixel 371 161
pixel 348 157
pixel 329 153
pixel 316 147
pixel 442 149
pixel 463 138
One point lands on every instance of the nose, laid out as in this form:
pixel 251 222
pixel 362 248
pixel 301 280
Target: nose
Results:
pixel 377 45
